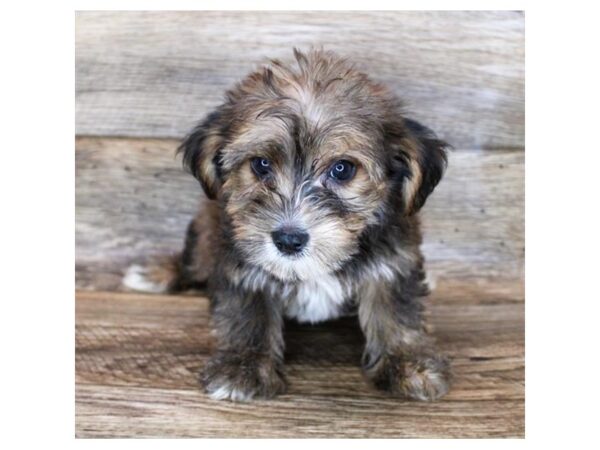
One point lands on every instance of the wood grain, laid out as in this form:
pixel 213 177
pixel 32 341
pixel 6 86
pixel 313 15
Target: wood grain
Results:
pixel 154 74
pixel 133 202
pixel 138 356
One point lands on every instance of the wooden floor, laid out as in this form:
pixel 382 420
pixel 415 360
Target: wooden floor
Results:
pixel 138 357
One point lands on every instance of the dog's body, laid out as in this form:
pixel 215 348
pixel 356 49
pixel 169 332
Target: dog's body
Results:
pixel 315 178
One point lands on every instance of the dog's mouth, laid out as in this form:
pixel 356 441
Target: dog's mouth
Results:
pixel 303 265
pixel 291 265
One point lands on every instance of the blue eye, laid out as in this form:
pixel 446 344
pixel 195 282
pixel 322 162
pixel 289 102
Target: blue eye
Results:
pixel 342 170
pixel 261 166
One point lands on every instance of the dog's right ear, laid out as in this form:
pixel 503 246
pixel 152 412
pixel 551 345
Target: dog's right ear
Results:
pixel 427 161
pixel 419 161
pixel 201 151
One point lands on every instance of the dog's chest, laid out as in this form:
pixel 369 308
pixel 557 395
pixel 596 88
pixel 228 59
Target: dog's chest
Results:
pixel 317 300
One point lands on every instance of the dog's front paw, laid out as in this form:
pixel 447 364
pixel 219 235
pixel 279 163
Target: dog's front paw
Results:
pixel 240 378
pixel 421 376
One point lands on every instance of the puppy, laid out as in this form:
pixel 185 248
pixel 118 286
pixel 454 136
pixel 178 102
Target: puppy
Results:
pixel 315 178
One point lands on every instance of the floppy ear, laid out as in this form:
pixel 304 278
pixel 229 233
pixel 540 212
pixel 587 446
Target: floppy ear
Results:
pixel 202 153
pixel 423 162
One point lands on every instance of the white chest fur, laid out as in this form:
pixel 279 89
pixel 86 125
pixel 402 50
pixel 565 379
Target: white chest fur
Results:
pixel 317 300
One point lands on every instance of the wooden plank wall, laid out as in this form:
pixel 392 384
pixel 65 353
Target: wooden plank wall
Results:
pixel 154 74
pixel 133 201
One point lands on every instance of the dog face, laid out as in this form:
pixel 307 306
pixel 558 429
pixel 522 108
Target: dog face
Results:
pixel 305 158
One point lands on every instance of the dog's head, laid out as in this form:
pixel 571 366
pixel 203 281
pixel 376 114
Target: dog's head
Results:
pixel 305 157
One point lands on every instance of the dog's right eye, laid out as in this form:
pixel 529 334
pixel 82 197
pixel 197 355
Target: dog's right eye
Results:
pixel 261 166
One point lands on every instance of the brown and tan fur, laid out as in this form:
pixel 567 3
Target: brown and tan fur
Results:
pixel 362 253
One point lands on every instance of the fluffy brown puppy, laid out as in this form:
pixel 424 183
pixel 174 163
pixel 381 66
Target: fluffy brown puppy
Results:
pixel 315 177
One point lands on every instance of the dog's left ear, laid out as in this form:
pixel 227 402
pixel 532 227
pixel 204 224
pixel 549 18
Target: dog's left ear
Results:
pixel 420 162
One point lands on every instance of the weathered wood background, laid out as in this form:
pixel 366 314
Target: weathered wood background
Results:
pixel 153 74
pixel 144 78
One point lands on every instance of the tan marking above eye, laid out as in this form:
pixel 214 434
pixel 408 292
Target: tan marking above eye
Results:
pixel 413 183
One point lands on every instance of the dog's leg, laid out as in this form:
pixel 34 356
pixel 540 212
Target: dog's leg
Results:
pixel 248 362
pixel 399 356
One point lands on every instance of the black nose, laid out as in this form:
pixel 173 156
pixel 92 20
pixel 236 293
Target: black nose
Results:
pixel 289 241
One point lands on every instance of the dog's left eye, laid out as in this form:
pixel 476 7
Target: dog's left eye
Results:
pixel 261 166
pixel 342 170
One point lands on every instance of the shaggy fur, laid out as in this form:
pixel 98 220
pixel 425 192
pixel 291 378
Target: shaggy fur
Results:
pixel 266 158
